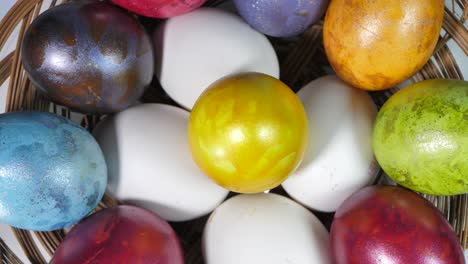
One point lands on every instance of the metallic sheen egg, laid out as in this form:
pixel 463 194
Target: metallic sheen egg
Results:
pixel 89 56
pixel 248 132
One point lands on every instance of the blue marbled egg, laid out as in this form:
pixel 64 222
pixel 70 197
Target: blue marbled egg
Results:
pixel 52 171
pixel 281 18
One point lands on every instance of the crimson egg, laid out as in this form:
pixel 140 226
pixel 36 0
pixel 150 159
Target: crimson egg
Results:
pixel 123 234
pixel 388 224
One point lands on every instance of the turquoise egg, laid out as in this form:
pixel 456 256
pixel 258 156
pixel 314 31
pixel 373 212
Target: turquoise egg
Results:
pixel 52 171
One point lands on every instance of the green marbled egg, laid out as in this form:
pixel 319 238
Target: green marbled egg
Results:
pixel 421 137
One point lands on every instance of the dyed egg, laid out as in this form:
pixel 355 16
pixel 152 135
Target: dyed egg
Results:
pixel 158 8
pixel 89 56
pixel 150 164
pixel 387 224
pixel 339 159
pixel 376 45
pixel 421 137
pixel 123 234
pixel 215 44
pixel 264 228
pixel 281 18
pixel 52 171
pixel 248 132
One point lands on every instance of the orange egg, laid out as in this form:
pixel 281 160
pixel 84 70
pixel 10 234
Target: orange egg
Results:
pixel 375 45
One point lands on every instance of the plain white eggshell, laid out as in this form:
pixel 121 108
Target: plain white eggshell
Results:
pixel 264 228
pixel 339 159
pixel 196 49
pixel 150 164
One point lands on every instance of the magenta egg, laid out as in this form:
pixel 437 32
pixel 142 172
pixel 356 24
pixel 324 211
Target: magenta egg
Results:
pixel 388 224
pixel 123 234
pixel 159 8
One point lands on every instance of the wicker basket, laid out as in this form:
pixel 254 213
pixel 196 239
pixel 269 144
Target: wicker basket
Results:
pixel 302 59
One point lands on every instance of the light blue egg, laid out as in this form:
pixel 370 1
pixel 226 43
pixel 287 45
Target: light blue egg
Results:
pixel 52 171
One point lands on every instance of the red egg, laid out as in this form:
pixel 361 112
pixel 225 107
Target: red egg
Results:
pixel 124 234
pixel 387 224
pixel 159 8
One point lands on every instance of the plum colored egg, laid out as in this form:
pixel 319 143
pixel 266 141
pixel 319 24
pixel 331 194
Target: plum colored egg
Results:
pixel 52 171
pixel 339 159
pixel 123 234
pixel 284 18
pixel 388 224
pixel 248 132
pixel 421 137
pixel 150 164
pixel 215 44
pixel 375 45
pixel 159 8
pixel 89 56
pixel 264 228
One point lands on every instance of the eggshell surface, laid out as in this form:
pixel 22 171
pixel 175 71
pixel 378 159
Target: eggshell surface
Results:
pixel 339 158
pixel 387 224
pixel 150 164
pixel 123 234
pixel 281 18
pixel 421 137
pixel 215 44
pixel 264 228
pixel 52 171
pixel 375 45
pixel 158 8
pixel 248 132
pixel 90 56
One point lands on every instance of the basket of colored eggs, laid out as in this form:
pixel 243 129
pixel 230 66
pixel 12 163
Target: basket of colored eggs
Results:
pixel 234 132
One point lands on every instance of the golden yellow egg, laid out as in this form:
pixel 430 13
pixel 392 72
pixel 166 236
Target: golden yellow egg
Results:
pixel 375 45
pixel 248 132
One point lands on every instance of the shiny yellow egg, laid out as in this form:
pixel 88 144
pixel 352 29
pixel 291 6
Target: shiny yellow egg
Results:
pixel 248 132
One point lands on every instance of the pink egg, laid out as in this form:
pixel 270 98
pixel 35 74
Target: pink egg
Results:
pixel 159 8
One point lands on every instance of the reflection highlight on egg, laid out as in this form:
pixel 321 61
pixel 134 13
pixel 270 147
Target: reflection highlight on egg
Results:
pixel 248 132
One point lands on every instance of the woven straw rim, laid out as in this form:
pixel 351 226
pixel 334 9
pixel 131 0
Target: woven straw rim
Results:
pixel 302 60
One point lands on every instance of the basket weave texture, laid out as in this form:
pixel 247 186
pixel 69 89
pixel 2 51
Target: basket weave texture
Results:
pixel 302 59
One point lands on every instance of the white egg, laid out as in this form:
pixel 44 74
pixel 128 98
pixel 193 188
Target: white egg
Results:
pixel 339 159
pixel 150 164
pixel 196 49
pixel 264 228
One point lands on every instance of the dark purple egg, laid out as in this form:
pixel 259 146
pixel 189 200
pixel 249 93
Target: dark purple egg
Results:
pixel 283 18
pixel 89 56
